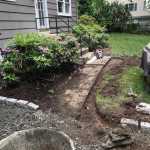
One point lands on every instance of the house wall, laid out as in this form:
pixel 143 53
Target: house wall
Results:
pixel 16 16
pixel 52 11
pixel 19 16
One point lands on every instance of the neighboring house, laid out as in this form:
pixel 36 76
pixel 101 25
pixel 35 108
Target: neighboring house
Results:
pixel 137 8
pixel 19 16
pixel 140 11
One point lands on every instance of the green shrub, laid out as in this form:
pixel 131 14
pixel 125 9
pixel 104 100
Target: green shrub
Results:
pixel 32 54
pixel 68 51
pixel 132 27
pixel 85 19
pixel 90 33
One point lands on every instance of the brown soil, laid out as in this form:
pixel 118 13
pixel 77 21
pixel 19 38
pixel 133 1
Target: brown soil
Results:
pixel 115 67
pixel 127 110
pixel 94 121
pixel 41 91
pixel 90 121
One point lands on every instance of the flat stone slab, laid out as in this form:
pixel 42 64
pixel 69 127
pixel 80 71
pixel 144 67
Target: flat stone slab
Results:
pixel 143 108
pixel 134 123
pixel 37 139
pixel 2 98
pixel 93 59
pixel 11 100
pixel 22 102
pixel 101 61
pixel 33 106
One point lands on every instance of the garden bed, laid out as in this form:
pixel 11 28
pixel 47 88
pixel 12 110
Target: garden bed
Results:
pixel 112 99
pixel 41 91
pixel 97 121
pixel 90 127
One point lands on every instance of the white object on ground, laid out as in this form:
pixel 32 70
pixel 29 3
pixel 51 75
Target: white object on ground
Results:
pixel 33 106
pixel 1 58
pixel 11 100
pixel 2 98
pixel 144 125
pixel 91 60
pixel 143 108
pixel 22 102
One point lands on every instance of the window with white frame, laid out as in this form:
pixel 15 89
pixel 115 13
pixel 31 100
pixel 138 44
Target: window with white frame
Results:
pixel 132 6
pixel 146 4
pixel 64 7
pixel 11 0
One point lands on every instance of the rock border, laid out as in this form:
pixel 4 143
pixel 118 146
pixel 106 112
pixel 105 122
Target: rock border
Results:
pixel 19 102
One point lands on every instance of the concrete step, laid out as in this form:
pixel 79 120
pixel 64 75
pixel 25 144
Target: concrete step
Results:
pixel 87 56
pixel 95 61
pixel 84 51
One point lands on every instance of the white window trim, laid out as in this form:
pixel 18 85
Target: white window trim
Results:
pixel 11 0
pixel 63 13
pixel 37 15
pixel 146 5
pixel 134 3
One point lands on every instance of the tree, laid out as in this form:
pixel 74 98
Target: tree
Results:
pixel 100 9
pixel 84 7
pixel 114 15
pixel 147 4
pixel 119 16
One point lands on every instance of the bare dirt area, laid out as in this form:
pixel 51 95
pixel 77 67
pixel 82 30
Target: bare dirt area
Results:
pixel 127 109
pixel 41 91
pixel 89 129
pixel 96 122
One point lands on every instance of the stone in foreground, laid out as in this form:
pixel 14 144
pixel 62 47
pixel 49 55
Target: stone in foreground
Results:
pixel 11 100
pixel 37 139
pixel 143 108
pixel 33 106
pixel 22 102
pixel 2 98
pixel 135 123
pixel 117 138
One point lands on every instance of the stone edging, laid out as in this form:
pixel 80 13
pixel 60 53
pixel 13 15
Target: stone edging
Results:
pixel 19 102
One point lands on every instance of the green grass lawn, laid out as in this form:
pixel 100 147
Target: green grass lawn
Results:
pixel 128 44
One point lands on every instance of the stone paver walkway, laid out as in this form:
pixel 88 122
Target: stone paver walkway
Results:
pixel 75 92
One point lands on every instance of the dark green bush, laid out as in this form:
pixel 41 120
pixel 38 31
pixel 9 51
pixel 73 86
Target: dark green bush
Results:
pixel 85 19
pixel 32 54
pixel 90 33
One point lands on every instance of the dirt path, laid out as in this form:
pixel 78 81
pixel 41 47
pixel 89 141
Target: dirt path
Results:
pixel 72 97
pixel 89 116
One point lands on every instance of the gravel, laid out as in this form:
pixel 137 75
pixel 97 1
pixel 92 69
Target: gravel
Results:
pixel 13 118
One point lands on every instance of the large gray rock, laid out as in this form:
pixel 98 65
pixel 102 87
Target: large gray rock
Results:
pixel 145 61
pixel 37 139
